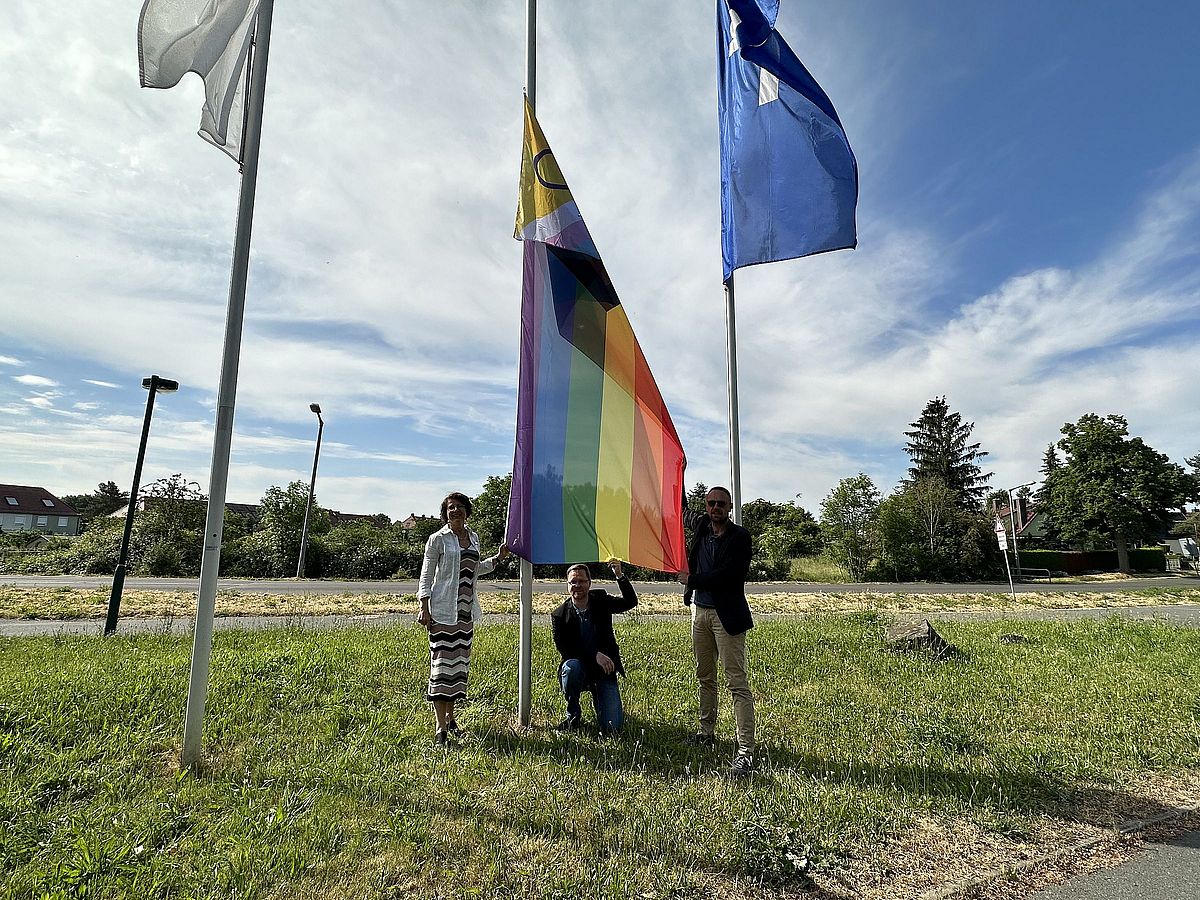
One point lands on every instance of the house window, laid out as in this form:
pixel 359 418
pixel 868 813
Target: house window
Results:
pixel 63 521
pixel 18 521
pixel 12 501
pixel 41 520
pixel 48 502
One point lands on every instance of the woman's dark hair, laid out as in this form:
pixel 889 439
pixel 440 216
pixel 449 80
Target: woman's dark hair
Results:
pixel 463 500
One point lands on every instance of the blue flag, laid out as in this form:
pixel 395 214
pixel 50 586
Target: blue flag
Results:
pixel 789 181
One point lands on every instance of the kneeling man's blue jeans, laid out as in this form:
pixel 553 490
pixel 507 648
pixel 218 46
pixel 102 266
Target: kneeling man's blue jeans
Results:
pixel 606 695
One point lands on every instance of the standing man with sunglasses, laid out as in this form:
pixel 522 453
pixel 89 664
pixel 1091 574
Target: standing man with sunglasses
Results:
pixel 719 559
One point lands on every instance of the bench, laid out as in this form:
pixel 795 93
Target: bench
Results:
pixel 1035 573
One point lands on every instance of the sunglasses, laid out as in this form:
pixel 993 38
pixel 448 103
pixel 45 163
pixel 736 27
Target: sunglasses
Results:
pixel 717 503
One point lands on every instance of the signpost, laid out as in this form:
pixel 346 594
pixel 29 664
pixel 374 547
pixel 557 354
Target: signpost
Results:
pixel 1002 540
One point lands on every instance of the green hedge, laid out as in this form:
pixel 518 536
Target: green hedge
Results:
pixel 1075 562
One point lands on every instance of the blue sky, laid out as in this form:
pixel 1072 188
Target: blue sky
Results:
pixel 1028 223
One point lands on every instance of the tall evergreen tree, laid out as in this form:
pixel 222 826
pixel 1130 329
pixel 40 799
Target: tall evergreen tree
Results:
pixel 939 447
pixel 1050 465
pixel 1041 497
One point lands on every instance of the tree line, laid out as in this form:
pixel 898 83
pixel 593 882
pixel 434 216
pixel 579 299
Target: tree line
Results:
pixel 1100 488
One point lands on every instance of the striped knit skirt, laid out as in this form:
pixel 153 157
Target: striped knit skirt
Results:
pixel 449 660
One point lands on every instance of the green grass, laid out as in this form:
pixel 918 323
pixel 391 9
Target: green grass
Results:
pixel 321 779
pixel 818 570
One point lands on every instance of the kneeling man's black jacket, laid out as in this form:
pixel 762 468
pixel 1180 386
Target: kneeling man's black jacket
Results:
pixel 564 625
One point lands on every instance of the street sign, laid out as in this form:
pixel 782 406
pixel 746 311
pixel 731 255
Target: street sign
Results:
pixel 1001 534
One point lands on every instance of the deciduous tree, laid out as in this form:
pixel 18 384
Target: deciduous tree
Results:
pixel 849 515
pixel 781 532
pixel 1113 487
pixel 489 519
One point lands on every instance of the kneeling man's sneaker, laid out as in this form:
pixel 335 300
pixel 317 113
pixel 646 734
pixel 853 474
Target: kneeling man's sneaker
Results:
pixel 743 765
pixel 570 723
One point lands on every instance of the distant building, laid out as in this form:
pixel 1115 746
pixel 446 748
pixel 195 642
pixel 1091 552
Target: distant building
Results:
pixel 249 511
pixel 24 508
pixel 414 520
pixel 1029 518
pixel 341 518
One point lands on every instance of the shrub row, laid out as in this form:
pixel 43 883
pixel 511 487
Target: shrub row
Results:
pixel 1075 562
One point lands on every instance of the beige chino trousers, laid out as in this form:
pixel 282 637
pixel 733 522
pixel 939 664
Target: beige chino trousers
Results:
pixel 710 642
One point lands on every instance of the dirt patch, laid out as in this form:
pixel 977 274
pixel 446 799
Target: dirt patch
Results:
pixel 940 858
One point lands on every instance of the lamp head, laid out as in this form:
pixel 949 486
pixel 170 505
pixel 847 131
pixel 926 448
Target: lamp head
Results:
pixel 160 385
pixel 315 407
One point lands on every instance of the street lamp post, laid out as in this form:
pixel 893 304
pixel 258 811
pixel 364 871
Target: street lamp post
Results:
pixel 1012 517
pixel 315 407
pixel 155 385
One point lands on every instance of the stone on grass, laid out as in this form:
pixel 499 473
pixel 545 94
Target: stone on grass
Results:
pixel 909 637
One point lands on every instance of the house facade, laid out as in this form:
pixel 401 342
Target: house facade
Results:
pixel 35 509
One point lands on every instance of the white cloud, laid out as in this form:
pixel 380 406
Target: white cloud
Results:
pixel 34 381
pixel 10 361
pixel 103 384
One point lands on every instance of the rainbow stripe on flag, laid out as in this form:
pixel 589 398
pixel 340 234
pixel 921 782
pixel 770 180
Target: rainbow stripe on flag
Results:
pixel 598 468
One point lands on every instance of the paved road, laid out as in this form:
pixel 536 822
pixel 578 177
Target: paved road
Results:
pixel 293 586
pixel 1168 871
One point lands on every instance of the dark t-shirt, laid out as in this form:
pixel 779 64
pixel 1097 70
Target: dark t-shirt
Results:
pixel 587 631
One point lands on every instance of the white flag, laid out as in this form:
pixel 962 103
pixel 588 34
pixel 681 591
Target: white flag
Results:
pixel 212 39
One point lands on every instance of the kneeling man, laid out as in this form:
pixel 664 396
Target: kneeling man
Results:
pixel 583 633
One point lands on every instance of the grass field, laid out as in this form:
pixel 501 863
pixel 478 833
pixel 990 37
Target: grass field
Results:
pixel 321 780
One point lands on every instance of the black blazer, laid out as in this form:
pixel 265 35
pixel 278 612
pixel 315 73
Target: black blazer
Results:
pixel 601 605
pixel 727 581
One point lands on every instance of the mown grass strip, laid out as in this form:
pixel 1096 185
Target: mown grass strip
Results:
pixel 322 781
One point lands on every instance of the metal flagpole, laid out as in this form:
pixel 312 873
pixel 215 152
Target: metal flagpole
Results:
pixel 525 649
pixel 193 722
pixel 735 452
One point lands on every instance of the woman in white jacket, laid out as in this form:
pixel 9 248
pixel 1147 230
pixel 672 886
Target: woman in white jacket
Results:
pixel 449 607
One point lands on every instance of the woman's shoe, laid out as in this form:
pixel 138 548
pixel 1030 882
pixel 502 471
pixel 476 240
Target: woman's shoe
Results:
pixel 452 727
pixel 439 737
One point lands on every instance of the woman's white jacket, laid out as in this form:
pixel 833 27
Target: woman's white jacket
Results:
pixel 439 575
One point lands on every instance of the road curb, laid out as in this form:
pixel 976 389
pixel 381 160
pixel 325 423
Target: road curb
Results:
pixel 1133 826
